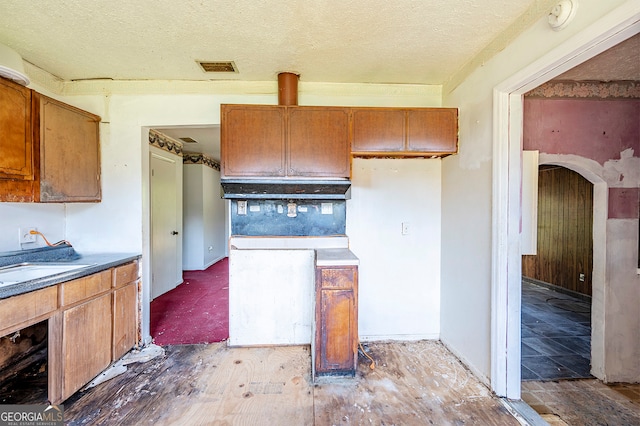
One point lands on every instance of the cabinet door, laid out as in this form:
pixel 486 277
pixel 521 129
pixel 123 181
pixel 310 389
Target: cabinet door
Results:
pixel 17 168
pixel 318 142
pixel 336 333
pixel 15 128
pixel 125 314
pixel 69 153
pixel 432 130
pixel 86 343
pixel 252 141
pixel 378 130
pixel 336 320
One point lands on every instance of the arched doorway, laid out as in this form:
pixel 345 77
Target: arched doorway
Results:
pixel 557 280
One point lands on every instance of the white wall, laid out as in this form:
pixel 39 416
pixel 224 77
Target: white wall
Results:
pixel 48 218
pixel 271 297
pixel 467 187
pixel 193 218
pixel 120 223
pixel 204 218
pixel 399 275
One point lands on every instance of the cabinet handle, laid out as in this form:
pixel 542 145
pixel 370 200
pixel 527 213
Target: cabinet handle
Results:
pixel 174 232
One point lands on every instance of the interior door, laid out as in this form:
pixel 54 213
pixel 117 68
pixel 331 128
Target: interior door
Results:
pixel 164 224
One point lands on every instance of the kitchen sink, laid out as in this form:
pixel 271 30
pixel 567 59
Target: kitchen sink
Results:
pixel 22 272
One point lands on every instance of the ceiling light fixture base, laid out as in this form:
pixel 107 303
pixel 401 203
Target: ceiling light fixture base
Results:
pixel 562 14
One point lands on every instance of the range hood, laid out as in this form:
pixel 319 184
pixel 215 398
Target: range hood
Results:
pixel 284 189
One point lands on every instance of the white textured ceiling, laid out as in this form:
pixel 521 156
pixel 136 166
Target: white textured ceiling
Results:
pixel 343 41
pixel 621 62
pixel 347 41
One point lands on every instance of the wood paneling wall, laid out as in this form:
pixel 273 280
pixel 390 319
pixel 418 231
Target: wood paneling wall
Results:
pixel 565 225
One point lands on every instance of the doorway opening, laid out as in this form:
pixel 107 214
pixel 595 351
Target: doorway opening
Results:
pixel 557 280
pixel 188 237
pixel 506 277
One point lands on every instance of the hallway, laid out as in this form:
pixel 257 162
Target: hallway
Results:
pixel 196 311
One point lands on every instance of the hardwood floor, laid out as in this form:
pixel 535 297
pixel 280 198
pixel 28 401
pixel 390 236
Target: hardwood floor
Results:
pixel 413 383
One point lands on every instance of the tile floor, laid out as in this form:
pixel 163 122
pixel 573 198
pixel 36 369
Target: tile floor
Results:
pixel 556 334
pixel 556 351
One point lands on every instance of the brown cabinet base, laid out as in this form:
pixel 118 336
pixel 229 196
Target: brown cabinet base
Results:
pixel 335 344
pixel 92 322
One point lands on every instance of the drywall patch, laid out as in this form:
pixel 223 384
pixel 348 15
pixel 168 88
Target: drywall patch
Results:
pixel 623 203
pixel 624 172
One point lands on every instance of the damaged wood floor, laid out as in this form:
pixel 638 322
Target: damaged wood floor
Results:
pixel 585 402
pixel 414 383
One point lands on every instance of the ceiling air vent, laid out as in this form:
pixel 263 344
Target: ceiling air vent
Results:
pixel 188 140
pixel 226 66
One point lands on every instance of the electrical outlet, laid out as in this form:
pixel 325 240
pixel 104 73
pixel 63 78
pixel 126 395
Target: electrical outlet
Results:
pixel 581 277
pixel 25 236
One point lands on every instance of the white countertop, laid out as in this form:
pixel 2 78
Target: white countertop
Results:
pixel 284 243
pixel 336 257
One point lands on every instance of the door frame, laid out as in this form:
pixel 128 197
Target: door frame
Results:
pixel 146 264
pixel 506 273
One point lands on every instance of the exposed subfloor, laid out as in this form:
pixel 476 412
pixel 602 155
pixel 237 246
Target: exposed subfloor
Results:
pixel 414 383
pixel 586 402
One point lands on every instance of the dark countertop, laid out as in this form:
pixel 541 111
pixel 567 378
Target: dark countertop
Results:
pixel 65 254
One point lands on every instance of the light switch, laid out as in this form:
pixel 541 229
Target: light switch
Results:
pixel 405 228
pixel 242 207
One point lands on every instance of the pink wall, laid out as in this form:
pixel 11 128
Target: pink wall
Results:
pixel 597 129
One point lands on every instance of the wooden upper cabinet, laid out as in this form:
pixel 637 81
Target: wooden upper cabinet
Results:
pixel 16 161
pixel 318 142
pixel 433 130
pixel 69 152
pixel 378 130
pixel 49 151
pixel 253 141
pixel 404 131
pixel 272 141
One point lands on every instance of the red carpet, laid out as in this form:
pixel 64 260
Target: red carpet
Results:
pixel 197 311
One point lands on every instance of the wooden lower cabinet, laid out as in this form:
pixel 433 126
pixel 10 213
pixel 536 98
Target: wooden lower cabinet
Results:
pixel 125 325
pixel 86 343
pixel 95 324
pixel 335 349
